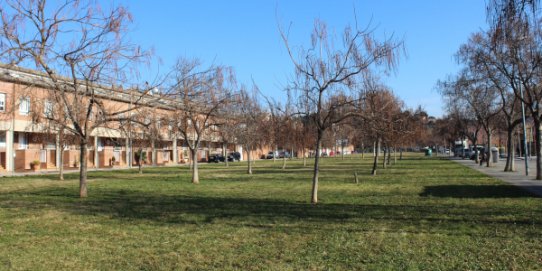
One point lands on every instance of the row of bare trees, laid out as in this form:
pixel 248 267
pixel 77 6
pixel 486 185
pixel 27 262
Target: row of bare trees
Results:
pixel 501 76
pixel 86 63
pixel 336 87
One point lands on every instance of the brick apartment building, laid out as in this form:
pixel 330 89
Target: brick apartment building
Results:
pixel 25 138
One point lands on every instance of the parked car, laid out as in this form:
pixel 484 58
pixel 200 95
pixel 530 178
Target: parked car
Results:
pixel 234 156
pixel 215 158
pixel 478 150
pixel 466 153
pixel 284 154
pixel 271 155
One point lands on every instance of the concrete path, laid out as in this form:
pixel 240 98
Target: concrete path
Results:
pixel 517 178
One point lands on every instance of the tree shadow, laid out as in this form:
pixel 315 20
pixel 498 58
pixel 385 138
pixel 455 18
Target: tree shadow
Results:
pixel 476 191
pixel 168 208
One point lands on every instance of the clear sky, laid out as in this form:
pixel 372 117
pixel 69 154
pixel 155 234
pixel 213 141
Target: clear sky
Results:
pixel 244 35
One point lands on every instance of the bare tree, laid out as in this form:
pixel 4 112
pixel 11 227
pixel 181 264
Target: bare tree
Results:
pixel 481 97
pixel 324 75
pixel 250 117
pixel 199 97
pixel 79 47
pixel 378 111
pixel 489 58
pixel 515 26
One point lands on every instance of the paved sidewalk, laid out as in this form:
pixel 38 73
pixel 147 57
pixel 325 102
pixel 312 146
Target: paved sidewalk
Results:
pixel 517 178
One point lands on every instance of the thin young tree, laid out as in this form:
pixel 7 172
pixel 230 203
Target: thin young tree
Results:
pixel 325 74
pixel 199 96
pixel 251 123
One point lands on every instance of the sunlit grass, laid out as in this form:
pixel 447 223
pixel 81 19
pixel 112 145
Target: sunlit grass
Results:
pixel 418 214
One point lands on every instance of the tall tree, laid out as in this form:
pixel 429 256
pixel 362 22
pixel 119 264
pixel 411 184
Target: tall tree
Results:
pixel 325 74
pixel 250 117
pixel 199 95
pixel 480 95
pixel 80 47
pixel 516 27
pixel 491 59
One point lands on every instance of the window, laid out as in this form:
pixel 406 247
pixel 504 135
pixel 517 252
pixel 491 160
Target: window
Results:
pixel 23 141
pixel 48 109
pixel 158 124
pixel 50 145
pixel 117 146
pixel 43 156
pixel 116 154
pixel 2 102
pixel 2 139
pixel 122 118
pixel 99 116
pixel 100 144
pixel 24 106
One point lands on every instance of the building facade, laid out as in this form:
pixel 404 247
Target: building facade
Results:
pixel 28 142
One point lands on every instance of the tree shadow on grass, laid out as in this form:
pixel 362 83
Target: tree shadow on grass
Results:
pixel 167 208
pixel 475 191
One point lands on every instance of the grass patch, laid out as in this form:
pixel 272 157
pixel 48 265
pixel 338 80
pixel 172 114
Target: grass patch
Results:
pixel 418 214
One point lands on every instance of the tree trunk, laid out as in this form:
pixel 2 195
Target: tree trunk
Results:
pixel 489 154
pixel 362 151
pixel 304 158
pixel 61 163
pixel 153 152
pixel 510 150
pixel 274 154
pixel 356 177
pixel 60 148
pixel 476 153
pixel 249 169
pixel 139 161
pixel 401 153
pixel 375 162
pixel 384 157
pixel 195 172
pixel 314 192
pixel 284 162
pixel 225 154
pixel 374 148
pixel 394 155
pixel 538 134
pixel 83 169
pixel 389 156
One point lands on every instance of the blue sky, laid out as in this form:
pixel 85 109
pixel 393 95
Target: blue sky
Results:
pixel 244 35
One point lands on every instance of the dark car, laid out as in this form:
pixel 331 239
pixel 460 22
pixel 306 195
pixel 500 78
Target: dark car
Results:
pixel 234 156
pixel 215 158
pixel 478 150
pixel 271 155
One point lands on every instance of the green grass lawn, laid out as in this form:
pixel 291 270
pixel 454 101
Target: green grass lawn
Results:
pixel 420 214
